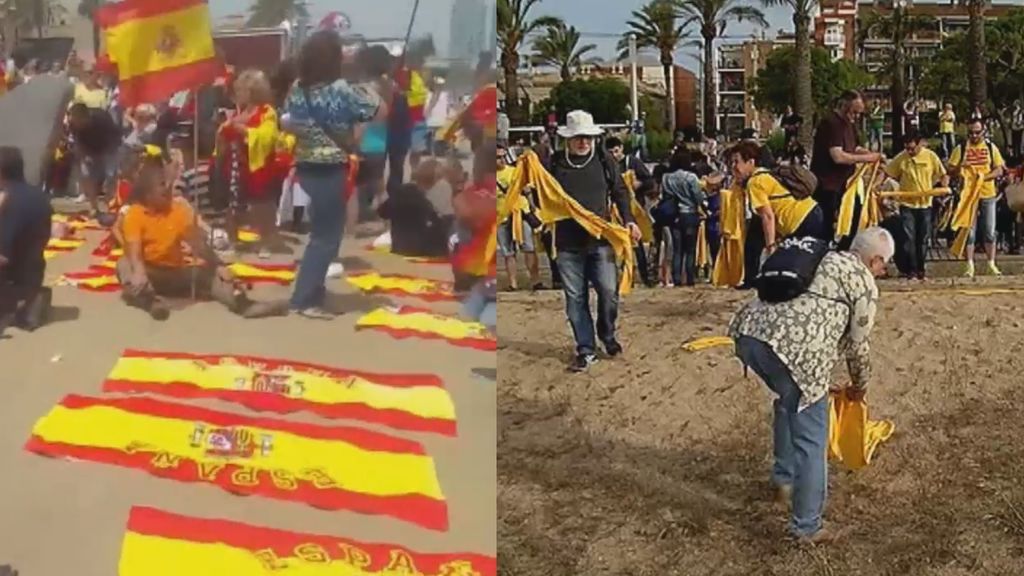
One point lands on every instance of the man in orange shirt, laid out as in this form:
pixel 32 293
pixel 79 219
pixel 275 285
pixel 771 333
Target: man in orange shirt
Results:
pixel 156 230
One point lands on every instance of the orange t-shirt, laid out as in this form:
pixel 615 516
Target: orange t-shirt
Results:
pixel 161 235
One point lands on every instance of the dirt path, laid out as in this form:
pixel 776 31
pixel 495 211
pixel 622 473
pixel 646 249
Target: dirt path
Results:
pixel 68 518
pixel 657 463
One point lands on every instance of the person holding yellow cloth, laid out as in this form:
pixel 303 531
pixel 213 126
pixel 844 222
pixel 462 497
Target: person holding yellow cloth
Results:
pixel 778 214
pixel 917 169
pixel 979 158
pixel 793 346
pixel 510 217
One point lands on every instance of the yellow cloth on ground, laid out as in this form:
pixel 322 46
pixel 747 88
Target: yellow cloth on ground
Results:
pixel 698 344
pixel 556 205
pixel 966 212
pixel 728 269
pixel 852 438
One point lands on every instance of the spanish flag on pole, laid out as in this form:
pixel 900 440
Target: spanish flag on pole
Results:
pixel 159 47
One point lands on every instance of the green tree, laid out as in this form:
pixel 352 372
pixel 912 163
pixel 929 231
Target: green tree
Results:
pixel 898 26
pixel 560 47
pixel 803 12
pixel 513 26
pixel 605 98
pixel 775 86
pixel 270 13
pixel 711 17
pixel 656 27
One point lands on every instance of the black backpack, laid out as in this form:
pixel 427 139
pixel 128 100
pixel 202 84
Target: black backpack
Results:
pixel 789 271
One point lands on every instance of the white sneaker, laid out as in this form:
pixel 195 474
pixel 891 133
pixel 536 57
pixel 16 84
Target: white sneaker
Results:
pixel 335 270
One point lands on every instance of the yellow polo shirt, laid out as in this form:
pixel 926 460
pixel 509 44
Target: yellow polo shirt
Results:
pixel 947 122
pixel 916 174
pixel 977 157
pixel 763 189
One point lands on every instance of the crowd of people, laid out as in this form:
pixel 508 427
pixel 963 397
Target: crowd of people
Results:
pixel 320 142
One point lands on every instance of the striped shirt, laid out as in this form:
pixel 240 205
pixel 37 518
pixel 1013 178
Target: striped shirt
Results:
pixel 194 185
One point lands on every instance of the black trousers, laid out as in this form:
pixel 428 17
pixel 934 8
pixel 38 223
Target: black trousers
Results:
pixel 917 225
pixel 753 246
pixel 548 242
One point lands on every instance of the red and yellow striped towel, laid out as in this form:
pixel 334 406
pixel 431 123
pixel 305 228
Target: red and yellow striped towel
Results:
pixel 402 285
pixel 159 543
pixel 410 322
pixel 332 467
pixel 404 401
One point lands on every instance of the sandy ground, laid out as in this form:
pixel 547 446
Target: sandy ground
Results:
pixel 657 463
pixel 59 517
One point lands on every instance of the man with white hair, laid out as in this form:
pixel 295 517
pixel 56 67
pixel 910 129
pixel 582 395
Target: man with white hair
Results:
pixel 793 346
pixel 593 179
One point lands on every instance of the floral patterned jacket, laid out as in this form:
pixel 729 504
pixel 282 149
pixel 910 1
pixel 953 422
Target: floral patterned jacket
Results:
pixel 810 332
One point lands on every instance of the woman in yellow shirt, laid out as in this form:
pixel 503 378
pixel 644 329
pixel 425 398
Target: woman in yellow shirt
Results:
pixel 947 127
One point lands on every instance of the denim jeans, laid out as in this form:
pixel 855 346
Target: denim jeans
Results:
pixel 874 137
pixel 986 223
pixel 801 437
pixel 324 185
pixel 917 223
pixel 579 271
pixel 948 143
pixel 482 305
pixel 684 257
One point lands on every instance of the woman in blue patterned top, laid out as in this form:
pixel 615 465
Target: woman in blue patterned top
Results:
pixel 323 111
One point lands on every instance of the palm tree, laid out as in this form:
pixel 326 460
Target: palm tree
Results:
pixel 88 9
pixel 899 27
pixel 976 66
pixel 560 47
pixel 513 26
pixel 655 26
pixel 711 17
pixel 271 13
pixel 803 12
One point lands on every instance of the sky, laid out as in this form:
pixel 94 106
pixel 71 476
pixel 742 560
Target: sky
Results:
pixel 610 16
pixel 371 18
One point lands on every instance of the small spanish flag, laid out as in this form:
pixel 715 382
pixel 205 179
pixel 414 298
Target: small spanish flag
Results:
pixel 95 279
pixel 334 468
pixel 159 543
pixel 401 285
pixel 160 48
pixel 409 322
pixel 404 401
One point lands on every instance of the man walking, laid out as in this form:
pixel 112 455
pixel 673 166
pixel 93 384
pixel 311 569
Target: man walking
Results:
pixel 979 158
pixel 835 156
pixel 590 177
pixel 793 347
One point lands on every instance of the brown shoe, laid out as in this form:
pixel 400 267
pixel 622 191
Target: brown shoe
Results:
pixel 823 537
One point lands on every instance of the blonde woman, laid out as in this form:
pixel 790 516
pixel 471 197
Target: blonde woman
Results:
pixel 249 141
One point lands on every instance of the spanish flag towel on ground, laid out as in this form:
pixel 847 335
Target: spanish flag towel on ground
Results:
pixel 334 468
pixel 57 246
pixel 159 543
pixel 160 48
pixel 404 401
pixel 401 285
pixel 386 249
pixel 852 438
pixel 556 205
pixel 409 322
pixel 102 277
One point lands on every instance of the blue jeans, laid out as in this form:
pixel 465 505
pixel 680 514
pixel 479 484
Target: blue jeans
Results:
pixel 986 223
pixel 801 437
pixel 684 254
pixel 579 271
pixel 324 185
pixel 482 305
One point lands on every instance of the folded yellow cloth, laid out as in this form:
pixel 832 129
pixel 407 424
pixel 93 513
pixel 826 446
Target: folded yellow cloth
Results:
pixel 870 213
pixel 641 216
pixel 728 270
pixel 555 205
pixel 698 344
pixel 967 209
pixel 703 251
pixel 852 438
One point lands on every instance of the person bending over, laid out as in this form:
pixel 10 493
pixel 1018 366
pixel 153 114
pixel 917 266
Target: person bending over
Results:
pixel 416 227
pixel 25 223
pixel 156 229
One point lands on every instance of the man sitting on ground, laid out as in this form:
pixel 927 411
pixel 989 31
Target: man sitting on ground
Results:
pixel 156 229
pixel 25 222
pixel 793 346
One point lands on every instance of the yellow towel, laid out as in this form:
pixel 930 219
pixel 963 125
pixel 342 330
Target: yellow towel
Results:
pixel 966 212
pixel 556 205
pixel 852 438
pixel 703 251
pixel 698 344
pixel 641 216
pixel 855 188
pixel 728 270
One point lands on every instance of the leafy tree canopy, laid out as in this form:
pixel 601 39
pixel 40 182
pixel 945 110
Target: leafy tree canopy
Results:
pixel 774 88
pixel 606 98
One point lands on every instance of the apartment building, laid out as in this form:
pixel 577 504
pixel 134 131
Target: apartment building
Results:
pixel 835 27
pixel 737 66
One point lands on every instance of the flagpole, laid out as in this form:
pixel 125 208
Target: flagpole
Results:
pixel 194 184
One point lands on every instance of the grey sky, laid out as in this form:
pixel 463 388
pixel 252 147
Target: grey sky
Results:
pixel 610 16
pixel 372 18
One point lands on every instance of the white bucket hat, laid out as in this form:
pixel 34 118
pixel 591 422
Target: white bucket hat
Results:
pixel 579 123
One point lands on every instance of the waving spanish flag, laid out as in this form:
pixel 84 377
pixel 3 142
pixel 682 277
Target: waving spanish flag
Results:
pixel 329 467
pixel 404 401
pixel 159 543
pixel 160 48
